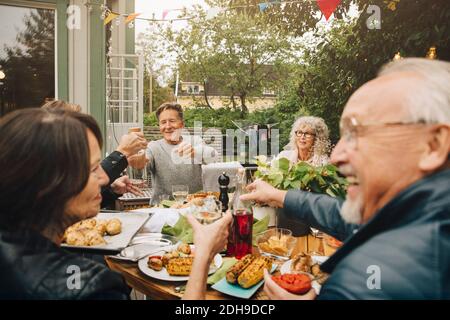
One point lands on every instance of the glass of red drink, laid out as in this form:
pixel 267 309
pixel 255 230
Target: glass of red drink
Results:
pixel 241 233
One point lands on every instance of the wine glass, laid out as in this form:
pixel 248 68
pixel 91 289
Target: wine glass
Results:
pixel 180 193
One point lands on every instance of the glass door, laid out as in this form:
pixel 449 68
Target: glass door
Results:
pixel 27 56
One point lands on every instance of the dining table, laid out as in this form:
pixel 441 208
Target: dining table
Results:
pixel 163 290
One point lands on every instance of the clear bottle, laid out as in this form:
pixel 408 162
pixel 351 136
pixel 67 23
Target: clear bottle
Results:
pixel 242 226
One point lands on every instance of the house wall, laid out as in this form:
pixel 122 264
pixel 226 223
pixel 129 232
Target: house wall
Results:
pixel 78 76
pixel 122 35
pixel 217 102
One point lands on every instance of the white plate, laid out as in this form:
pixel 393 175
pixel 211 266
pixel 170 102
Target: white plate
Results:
pixel 163 275
pixel 131 223
pixel 286 268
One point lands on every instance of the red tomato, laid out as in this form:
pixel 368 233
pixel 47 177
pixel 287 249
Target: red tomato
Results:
pixel 294 283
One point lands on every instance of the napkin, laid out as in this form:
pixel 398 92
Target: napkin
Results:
pixel 160 218
pixel 258 227
pixel 182 230
pixel 222 271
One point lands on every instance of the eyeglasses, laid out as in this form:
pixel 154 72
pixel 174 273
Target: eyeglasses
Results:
pixel 307 135
pixel 350 129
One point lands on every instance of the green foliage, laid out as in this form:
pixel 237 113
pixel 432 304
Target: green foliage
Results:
pixel 150 119
pixel 159 94
pixel 282 175
pixel 231 52
pixel 349 54
pixel 320 83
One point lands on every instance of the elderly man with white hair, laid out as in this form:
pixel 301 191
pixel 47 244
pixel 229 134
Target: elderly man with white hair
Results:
pixel 395 220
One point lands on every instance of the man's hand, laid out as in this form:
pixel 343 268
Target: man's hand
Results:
pixel 275 292
pixel 131 143
pixel 137 161
pixel 264 193
pixel 186 150
pixel 123 185
pixel 210 239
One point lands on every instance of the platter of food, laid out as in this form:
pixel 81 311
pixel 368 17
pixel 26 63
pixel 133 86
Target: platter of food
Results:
pixel 306 265
pixel 175 265
pixel 108 232
pixel 245 277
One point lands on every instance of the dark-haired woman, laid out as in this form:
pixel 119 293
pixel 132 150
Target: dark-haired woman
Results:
pixel 51 178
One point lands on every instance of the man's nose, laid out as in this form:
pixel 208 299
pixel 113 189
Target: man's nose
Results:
pixel 339 154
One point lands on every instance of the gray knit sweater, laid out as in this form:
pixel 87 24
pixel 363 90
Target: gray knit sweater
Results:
pixel 168 169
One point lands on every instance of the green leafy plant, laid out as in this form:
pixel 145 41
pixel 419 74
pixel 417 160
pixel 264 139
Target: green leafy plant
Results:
pixel 280 174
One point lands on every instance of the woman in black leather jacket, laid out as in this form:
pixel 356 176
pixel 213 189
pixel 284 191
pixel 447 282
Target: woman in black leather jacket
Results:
pixel 50 178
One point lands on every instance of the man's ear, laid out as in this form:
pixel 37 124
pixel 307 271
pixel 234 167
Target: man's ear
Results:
pixel 437 149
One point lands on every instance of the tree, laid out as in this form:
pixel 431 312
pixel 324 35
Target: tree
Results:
pixel 350 54
pixel 160 94
pixel 232 51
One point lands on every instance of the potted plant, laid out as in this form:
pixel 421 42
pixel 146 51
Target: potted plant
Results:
pixel 284 176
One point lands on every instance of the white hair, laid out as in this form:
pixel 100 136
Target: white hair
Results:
pixel 430 103
pixel 322 143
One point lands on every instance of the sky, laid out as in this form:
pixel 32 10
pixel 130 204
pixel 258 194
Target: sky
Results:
pixel 149 7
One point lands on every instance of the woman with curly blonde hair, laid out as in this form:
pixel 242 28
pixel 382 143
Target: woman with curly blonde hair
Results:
pixel 309 142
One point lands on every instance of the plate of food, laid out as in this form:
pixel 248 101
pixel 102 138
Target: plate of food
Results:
pixel 175 265
pixel 305 264
pixel 107 232
pixel 245 277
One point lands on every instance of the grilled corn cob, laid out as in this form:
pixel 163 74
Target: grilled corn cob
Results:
pixel 234 272
pixel 180 266
pixel 254 272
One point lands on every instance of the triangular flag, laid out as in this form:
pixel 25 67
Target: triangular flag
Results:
pixel 111 16
pixel 263 6
pixel 131 17
pixel 213 12
pixel 327 7
pixel 164 14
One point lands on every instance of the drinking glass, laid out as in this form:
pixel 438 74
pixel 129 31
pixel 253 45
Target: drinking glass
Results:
pixel 316 233
pixel 155 201
pixel 180 193
pixel 240 240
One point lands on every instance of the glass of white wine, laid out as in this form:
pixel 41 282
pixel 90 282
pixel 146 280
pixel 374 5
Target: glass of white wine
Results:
pixel 180 193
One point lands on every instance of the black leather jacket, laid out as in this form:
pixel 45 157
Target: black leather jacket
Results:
pixel 114 165
pixel 36 268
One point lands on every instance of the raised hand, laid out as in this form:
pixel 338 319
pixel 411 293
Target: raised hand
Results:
pixel 262 192
pixel 131 143
pixel 123 185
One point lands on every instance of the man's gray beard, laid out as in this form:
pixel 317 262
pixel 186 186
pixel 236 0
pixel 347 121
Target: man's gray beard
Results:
pixel 351 211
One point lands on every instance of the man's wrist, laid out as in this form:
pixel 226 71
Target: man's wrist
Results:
pixel 123 151
pixel 279 197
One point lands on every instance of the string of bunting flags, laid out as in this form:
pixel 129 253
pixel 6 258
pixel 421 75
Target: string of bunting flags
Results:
pixel 327 7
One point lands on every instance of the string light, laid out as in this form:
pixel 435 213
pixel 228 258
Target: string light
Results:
pixel 431 54
pixel 397 56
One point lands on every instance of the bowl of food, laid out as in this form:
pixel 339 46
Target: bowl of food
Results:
pixel 332 242
pixel 276 242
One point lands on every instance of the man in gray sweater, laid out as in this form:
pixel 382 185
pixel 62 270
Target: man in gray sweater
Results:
pixel 176 159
